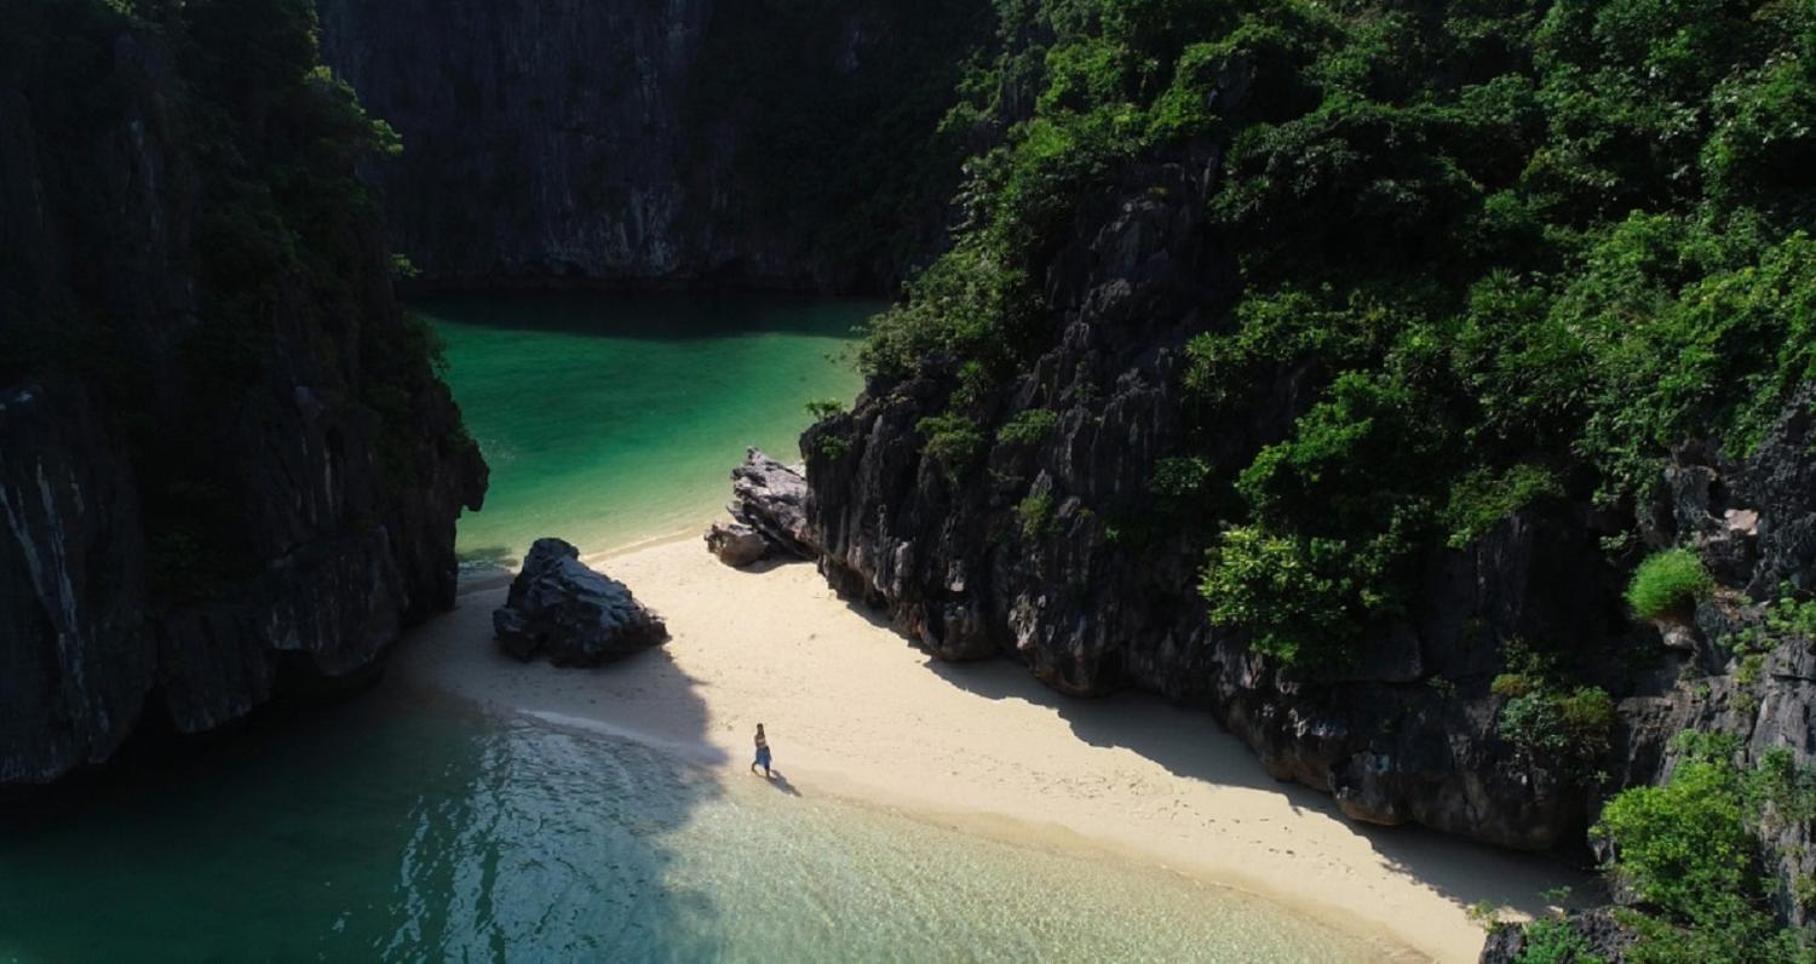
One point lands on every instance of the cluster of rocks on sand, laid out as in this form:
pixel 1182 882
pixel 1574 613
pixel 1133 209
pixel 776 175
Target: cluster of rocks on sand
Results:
pixel 561 608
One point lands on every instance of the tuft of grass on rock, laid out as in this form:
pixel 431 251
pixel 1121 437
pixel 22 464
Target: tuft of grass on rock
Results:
pixel 1668 584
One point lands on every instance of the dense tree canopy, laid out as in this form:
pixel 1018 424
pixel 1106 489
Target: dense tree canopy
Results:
pixel 1527 246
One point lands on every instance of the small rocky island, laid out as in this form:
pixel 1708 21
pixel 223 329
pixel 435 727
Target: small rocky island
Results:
pixel 575 615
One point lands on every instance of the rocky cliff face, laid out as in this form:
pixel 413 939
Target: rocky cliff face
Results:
pixel 1057 553
pixel 688 142
pixel 1729 669
pixel 203 500
pixel 1043 554
pixel 1732 669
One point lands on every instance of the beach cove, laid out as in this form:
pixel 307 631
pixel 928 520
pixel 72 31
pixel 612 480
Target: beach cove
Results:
pixel 858 714
pixel 471 805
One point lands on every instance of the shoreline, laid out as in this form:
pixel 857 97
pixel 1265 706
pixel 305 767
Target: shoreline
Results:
pixel 856 713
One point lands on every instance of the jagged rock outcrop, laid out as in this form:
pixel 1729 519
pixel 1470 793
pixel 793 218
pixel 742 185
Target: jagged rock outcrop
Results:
pixel 693 142
pixel 736 544
pixel 200 502
pixel 770 499
pixel 1057 553
pixel 576 616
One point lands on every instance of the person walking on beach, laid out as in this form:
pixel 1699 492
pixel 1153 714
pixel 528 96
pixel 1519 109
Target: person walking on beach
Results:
pixel 762 753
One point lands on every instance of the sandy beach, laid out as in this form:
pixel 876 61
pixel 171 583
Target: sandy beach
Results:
pixel 856 712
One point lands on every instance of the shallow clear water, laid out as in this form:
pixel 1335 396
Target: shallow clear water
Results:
pixel 400 828
pixel 610 418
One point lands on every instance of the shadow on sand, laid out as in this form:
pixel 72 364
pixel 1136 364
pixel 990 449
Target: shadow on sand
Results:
pixel 781 784
pixel 1190 743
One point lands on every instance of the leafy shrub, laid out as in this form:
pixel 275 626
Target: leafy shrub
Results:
pixel 1568 727
pixel 1297 597
pixel 1803 891
pixel 1513 685
pixel 1483 498
pixel 952 440
pixel 1686 849
pixel 822 409
pixel 1028 428
pixel 1179 477
pixel 830 446
pixel 1667 584
pixel 1552 940
pixel 1036 515
pixel 1790 616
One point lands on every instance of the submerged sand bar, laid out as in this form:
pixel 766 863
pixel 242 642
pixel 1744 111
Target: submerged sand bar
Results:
pixel 854 711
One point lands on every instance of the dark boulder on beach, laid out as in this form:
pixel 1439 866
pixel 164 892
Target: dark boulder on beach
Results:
pixel 576 616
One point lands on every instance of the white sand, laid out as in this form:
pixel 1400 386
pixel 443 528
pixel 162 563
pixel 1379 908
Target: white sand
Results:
pixel 854 711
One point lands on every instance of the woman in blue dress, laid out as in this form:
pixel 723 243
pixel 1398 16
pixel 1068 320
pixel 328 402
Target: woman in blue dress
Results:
pixel 762 752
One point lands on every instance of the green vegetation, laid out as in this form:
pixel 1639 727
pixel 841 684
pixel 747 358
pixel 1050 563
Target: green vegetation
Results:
pixel 1179 477
pixel 1551 719
pixel 1036 515
pixel 1791 616
pixel 1688 851
pixel 1552 941
pixel 1516 250
pixel 831 446
pixel 1560 725
pixel 1668 584
pixel 1028 428
pixel 1482 498
pixel 825 408
pixel 952 440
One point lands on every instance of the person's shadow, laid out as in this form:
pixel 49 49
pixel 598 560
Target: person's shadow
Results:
pixel 780 782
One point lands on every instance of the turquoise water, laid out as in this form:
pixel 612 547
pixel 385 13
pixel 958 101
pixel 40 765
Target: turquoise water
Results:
pixel 405 828
pixel 401 826
pixel 608 419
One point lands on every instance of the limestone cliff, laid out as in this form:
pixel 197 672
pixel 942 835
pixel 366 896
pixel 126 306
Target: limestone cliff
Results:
pixel 1134 358
pixel 1037 554
pixel 1092 604
pixel 226 465
pixel 1045 552
pixel 690 142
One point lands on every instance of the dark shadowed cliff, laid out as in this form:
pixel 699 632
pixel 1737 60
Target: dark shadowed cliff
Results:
pixel 226 463
pixel 765 144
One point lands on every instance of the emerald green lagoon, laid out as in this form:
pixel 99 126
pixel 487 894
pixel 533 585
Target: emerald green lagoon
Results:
pixel 609 419
pixel 403 825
